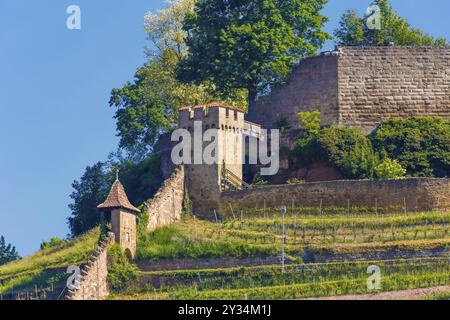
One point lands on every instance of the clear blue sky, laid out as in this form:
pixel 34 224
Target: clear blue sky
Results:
pixel 54 92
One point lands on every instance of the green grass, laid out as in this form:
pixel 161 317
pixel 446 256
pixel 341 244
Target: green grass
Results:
pixel 178 242
pixel 360 233
pixel 440 296
pixel 45 266
pixel 297 281
pixel 338 233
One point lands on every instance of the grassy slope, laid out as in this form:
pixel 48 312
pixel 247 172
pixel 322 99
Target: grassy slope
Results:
pixel 361 232
pixel 254 235
pixel 42 267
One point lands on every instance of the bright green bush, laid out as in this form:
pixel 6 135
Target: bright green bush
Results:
pixel 120 271
pixel 389 169
pixel 345 148
pixel 420 144
pixel 54 242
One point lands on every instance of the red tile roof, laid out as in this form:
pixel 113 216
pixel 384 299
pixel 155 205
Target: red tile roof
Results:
pixel 117 198
pixel 212 105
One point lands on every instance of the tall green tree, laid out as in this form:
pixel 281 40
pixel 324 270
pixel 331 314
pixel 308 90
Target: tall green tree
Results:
pixel 140 179
pixel 354 31
pixel 89 191
pixel 148 106
pixel 8 252
pixel 250 44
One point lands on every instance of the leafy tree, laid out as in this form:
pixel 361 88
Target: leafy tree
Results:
pixel 389 169
pixel 310 122
pixel 141 180
pixel 89 192
pixel 148 106
pixel 8 252
pixel 353 30
pixel 250 44
pixel 420 144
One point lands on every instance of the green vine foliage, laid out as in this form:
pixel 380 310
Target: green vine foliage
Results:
pixel 121 273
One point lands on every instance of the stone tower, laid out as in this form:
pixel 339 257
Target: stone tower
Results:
pixel 204 182
pixel 122 215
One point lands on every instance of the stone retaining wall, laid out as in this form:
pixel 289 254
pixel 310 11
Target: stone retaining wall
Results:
pixel 418 194
pixel 92 283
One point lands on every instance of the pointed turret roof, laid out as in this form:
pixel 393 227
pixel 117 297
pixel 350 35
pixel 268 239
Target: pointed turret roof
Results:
pixel 117 198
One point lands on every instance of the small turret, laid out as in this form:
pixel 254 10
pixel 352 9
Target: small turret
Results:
pixel 123 217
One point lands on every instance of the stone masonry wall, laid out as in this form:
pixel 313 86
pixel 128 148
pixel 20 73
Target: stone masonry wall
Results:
pixel 92 284
pixel 361 86
pixel 167 204
pixel 377 83
pixel 313 85
pixel 419 194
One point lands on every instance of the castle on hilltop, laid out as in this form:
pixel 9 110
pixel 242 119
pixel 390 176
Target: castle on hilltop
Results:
pixel 352 86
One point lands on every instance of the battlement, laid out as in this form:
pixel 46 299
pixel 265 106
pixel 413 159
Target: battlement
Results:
pixel 215 115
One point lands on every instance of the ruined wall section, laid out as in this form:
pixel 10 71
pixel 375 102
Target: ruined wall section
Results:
pixel 313 85
pixel 377 83
pixel 167 205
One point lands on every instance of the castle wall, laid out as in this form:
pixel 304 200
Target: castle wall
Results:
pixel 92 283
pixel 361 86
pixel 313 85
pixel 419 194
pixel 377 83
pixel 167 204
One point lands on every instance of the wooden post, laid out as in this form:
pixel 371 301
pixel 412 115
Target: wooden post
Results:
pixel 215 214
pixel 232 211
pixel 264 208
pixel 404 205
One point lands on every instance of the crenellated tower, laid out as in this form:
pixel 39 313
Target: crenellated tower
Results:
pixel 204 182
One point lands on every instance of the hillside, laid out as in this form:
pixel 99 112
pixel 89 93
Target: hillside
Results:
pixel 325 255
pixel 43 275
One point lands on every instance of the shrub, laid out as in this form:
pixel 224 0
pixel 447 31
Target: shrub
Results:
pixel 54 242
pixel 120 271
pixel 420 144
pixel 259 180
pixel 347 149
pixel 389 169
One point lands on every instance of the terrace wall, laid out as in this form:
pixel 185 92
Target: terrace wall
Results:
pixel 419 194
pixel 92 283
